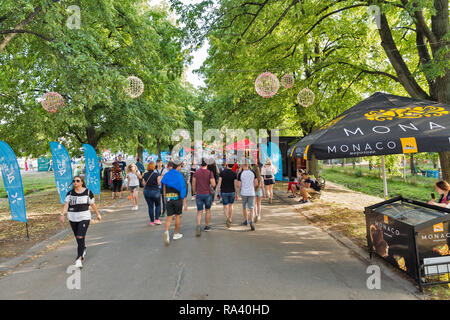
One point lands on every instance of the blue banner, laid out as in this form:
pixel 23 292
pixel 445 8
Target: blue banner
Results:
pixel 12 181
pixel 92 169
pixel 273 152
pixel 165 157
pixel 62 168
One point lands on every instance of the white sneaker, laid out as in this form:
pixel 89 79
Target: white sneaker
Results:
pixel 166 237
pixel 84 254
pixel 177 236
pixel 78 264
pixel 192 198
pixel 136 208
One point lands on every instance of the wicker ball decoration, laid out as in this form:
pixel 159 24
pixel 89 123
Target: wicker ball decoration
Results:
pixel 134 87
pixel 287 81
pixel 52 101
pixel 305 97
pixel 267 84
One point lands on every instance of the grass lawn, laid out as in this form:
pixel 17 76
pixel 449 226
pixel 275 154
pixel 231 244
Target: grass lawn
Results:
pixel 33 182
pixel 366 181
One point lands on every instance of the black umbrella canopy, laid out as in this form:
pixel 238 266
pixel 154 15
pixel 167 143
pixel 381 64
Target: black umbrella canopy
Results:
pixel 380 125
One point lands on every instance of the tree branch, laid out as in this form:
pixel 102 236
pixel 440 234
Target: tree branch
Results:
pixel 404 75
pixel 261 6
pixel 26 31
pixel 20 26
pixel 317 23
pixel 280 18
pixel 371 71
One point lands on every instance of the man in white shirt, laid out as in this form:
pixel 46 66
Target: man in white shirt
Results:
pixel 246 184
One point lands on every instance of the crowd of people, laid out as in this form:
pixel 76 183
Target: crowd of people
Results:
pixel 166 188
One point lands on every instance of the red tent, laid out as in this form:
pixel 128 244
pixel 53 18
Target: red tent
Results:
pixel 244 144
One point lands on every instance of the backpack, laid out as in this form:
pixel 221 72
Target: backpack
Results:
pixel 315 185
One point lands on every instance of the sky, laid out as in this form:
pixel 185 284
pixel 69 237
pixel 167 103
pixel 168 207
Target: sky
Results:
pixel 198 59
pixel 199 56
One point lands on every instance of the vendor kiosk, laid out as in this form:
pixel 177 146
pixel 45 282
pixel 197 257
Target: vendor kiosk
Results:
pixel 413 236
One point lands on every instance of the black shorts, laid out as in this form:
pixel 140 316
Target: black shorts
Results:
pixel 117 185
pixel 174 207
pixel 268 182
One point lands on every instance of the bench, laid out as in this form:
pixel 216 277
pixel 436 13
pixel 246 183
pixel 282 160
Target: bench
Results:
pixel 317 194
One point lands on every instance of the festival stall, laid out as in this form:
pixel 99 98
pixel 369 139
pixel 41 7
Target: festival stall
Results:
pixel 387 124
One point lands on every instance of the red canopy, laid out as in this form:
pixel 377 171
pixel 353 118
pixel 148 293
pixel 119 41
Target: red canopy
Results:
pixel 240 145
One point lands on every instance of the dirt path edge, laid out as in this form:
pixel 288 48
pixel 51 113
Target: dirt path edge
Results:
pixel 39 248
pixel 385 268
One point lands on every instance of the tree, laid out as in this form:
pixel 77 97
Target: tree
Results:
pixel 88 67
pixel 334 42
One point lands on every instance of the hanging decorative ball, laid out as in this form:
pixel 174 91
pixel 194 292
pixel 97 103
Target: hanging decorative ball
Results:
pixel 134 87
pixel 305 97
pixel 52 101
pixel 267 84
pixel 287 81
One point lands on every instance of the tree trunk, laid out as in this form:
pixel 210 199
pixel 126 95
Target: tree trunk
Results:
pixel 445 165
pixel 411 163
pixel 158 147
pixel 92 137
pixel 344 160
pixel 140 148
pixel 440 26
pixel 313 165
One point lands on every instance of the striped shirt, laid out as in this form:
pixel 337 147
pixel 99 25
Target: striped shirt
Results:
pixel 79 204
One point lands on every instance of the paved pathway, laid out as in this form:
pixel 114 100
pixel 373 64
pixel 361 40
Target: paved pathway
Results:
pixel 285 258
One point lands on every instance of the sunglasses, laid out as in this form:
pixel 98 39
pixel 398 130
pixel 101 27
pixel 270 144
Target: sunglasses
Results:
pixel 76 180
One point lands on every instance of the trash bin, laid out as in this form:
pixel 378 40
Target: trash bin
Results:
pixel 106 173
pixel 412 236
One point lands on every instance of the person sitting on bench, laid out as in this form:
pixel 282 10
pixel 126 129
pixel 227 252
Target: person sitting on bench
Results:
pixel 294 187
pixel 307 186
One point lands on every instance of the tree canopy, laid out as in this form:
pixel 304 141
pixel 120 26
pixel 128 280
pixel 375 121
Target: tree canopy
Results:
pixel 334 47
pixel 88 67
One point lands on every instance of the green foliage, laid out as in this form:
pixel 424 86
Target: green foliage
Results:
pixel 88 67
pixel 417 188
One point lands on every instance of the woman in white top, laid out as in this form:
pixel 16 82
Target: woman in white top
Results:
pixel 268 172
pixel 78 201
pixel 133 177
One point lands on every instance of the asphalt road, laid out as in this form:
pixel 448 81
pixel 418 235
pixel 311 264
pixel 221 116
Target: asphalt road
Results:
pixel 285 258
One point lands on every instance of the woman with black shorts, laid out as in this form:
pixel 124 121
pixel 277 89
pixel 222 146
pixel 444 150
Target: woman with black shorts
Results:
pixel 117 180
pixel 78 201
pixel 268 172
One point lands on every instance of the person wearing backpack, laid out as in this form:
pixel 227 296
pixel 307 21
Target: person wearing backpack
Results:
pixel 307 185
